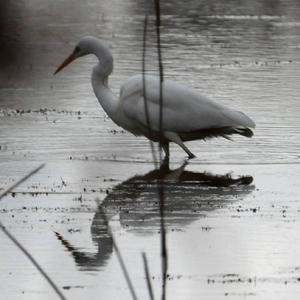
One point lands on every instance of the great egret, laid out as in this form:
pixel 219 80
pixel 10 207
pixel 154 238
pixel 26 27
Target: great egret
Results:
pixel 187 115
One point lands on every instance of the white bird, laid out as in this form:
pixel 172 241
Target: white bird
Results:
pixel 187 114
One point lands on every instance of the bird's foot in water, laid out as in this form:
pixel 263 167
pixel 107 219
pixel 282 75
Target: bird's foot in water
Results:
pixel 191 156
pixel 165 163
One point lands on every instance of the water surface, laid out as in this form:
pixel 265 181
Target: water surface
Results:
pixel 226 238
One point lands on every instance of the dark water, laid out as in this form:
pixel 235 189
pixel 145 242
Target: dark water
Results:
pixel 226 238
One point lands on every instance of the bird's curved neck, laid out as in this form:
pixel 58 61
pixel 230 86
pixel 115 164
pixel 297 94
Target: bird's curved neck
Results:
pixel 103 93
pixel 105 66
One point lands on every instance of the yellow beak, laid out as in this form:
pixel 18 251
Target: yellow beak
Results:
pixel 67 61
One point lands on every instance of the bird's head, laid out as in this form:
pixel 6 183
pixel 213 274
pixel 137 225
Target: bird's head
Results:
pixel 84 47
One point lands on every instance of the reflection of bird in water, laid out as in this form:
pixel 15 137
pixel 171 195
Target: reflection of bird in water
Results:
pixel 88 261
pixel 187 115
pixel 188 196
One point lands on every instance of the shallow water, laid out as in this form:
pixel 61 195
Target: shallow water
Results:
pixel 233 241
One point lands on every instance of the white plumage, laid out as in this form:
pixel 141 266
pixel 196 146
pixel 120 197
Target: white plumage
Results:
pixel 187 114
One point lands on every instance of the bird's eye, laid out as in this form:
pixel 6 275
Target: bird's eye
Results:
pixel 77 49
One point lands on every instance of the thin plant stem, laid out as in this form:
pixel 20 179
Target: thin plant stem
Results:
pixel 164 252
pixel 121 260
pixel 147 274
pixel 161 73
pixel 163 241
pixel 19 245
pixel 21 181
pixel 144 91
pixel 33 261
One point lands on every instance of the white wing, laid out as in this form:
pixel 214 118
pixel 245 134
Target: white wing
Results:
pixel 184 110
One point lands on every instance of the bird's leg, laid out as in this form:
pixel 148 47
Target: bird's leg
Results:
pixel 165 163
pixel 165 146
pixel 190 154
pixel 164 167
pixel 175 138
pixel 185 148
pixel 174 175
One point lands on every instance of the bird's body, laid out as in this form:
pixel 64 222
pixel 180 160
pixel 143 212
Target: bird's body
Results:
pixel 187 114
pixel 185 111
